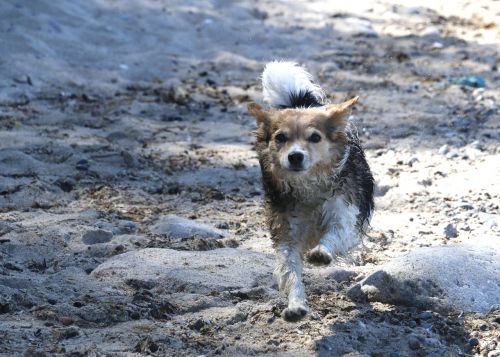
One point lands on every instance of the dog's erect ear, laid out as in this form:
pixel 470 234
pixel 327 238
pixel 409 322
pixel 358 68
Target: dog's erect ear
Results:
pixel 258 112
pixel 338 113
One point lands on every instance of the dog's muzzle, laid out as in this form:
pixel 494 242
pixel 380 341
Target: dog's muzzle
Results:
pixel 296 161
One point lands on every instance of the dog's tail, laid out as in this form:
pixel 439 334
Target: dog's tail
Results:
pixel 288 85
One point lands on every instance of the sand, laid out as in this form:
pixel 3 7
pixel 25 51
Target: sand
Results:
pixel 116 117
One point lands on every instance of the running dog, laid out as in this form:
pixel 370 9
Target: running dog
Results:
pixel 318 185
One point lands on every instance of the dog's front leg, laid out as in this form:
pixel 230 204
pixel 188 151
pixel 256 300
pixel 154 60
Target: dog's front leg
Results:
pixel 289 274
pixel 341 234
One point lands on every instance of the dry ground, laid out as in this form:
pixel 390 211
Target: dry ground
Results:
pixel 114 114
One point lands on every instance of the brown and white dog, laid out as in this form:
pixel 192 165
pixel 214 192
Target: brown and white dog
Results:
pixel 318 185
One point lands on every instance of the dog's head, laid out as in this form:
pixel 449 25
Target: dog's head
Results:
pixel 302 141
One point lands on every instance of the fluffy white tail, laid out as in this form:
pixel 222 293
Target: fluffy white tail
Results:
pixel 288 85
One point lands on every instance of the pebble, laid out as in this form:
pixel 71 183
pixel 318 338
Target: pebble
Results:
pixel 69 332
pixel 182 228
pixel 66 184
pixel 465 206
pixel 461 124
pixel 473 342
pixel 453 153
pixel 430 31
pixel 414 343
pixel 23 79
pixel 125 227
pixel 96 236
pixel 425 315
pixel 477 145
pixel 222 225
pixel 355 26
pixel 66 320
pixel 450 231
pixel 82 165
pixel 315 316
pixel 443 150
pixel 412 160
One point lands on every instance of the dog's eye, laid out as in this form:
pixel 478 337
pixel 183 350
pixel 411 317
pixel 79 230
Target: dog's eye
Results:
pixel 280 138
pixel 315 138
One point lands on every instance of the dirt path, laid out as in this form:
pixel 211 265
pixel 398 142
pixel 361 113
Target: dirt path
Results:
pixel 117 118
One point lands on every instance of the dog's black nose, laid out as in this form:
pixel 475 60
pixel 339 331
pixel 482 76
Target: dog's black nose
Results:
pixel 296 158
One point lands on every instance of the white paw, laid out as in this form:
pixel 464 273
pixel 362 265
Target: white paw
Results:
pixel 319 256
pixel 294 313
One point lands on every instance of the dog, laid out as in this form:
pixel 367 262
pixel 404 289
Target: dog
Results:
pixel 317 183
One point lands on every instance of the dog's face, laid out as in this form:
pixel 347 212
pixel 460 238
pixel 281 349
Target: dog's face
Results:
pixel 301 141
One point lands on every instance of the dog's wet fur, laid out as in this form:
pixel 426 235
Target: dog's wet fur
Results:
pixel 317 182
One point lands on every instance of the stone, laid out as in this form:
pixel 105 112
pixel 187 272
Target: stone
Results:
pixel 414 343
pixel 10 184
pixel 340 275
pixel 97 236
pixel 459 277
pixel 443 150
pixel 430 31
pixel 450 231
pixel 15 162
pixel 182 228
pixel 82 165
pixel 355 26
pixel 190 271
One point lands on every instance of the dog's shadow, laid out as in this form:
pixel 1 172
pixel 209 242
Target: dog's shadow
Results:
pixel 377 329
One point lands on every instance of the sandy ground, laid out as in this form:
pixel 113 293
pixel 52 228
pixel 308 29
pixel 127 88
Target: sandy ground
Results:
pixel 116 114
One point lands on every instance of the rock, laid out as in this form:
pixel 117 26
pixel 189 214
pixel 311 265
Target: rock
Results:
pixel 11 184
pixel 443 150
pixel 66 320
pixel 381 189
pixel 355 26
pixel 450 231
pixel 412 160
pixel 477 145
pixel 5 227
pixel 462 124
pixel 338 274
pixel 82 165
pixel 66 184
pixel 453 153
pixel 6 305
pixel 182 228
pixel 96 236
pixel 193 272
pixel 125 226
pixel 15 162
pixel 473 342
pixel 130 240
pixel 414 343
pixel 462 276
pixel 67 333
pixel 489 223
pixel 425 315
pixel 430 31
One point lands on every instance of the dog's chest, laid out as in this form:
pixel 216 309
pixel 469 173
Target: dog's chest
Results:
pixel 306 222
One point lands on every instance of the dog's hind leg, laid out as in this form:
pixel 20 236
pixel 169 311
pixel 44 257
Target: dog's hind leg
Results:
pixel 289 274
